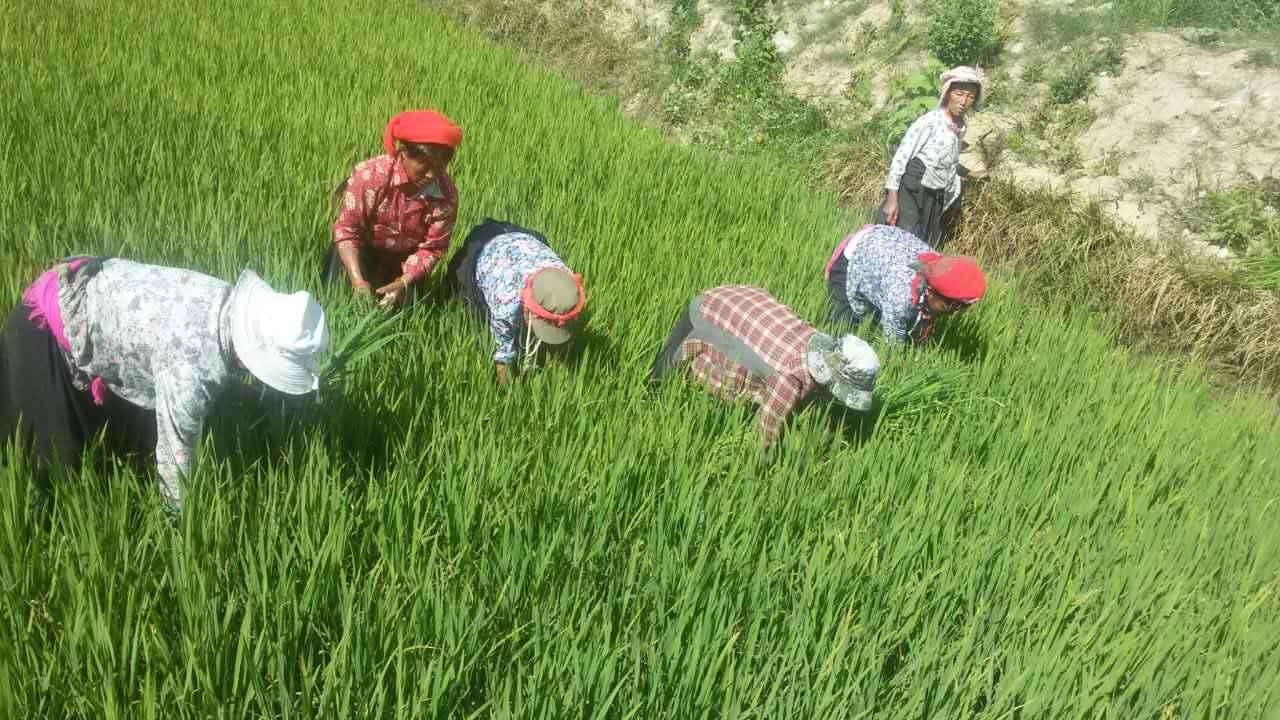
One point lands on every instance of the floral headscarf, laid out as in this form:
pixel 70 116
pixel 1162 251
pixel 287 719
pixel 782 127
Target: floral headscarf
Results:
pixel 963 74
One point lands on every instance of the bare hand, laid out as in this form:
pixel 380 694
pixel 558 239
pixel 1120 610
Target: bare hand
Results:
pixel 502 373
pixel 362 290
pixel 891 208
pixel 393 293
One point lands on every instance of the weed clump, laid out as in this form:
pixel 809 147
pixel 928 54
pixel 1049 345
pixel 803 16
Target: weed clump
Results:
pixel 963 32
pixel 1244 219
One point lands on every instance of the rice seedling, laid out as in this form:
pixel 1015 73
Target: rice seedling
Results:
pixel 1034 524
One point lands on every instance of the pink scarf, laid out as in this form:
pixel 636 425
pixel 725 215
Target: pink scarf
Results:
pixel 42 298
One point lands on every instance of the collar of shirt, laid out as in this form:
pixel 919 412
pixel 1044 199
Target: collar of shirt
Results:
pixel 400 179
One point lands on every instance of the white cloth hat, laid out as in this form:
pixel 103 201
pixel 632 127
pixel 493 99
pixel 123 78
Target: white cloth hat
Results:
pixel 848 368
pixel 964 74
pixel 278 337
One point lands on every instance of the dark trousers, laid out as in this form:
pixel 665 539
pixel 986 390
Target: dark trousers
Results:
pixel 48 415
pixel 837 293
pixel 920 208
pixel 669 356
pixel 333 272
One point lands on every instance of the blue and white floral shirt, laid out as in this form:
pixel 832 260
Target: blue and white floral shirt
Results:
pixel 159 338
pixel 504 265
pixel 883 261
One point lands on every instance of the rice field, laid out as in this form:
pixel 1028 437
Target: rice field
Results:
pixel 1032 523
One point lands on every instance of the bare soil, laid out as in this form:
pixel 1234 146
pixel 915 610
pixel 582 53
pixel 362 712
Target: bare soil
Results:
pixel 1177 120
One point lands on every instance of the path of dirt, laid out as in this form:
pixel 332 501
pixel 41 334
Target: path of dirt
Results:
pixel 1177 120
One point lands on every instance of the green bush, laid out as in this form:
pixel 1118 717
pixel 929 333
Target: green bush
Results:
pixel 1241 219
pixel 1072 85
pixel 962 32
pixel 910 96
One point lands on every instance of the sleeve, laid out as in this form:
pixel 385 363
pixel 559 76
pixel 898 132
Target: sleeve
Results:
pixel 506 331
pixel 911 143
pixel 439 232
pixel 351 214
pixel 782 393
pixel 897 323
pixel 721 377
pixel 181 406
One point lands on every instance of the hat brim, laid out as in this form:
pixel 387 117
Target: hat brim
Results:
pixel 548 333
pixel 851 397
pixel 248 298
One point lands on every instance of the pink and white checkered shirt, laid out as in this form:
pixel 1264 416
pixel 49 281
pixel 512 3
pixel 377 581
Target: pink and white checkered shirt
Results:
pixel 774 333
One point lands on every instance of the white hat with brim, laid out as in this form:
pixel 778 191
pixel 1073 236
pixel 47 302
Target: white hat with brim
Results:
pixel 848 367
pixel 278 337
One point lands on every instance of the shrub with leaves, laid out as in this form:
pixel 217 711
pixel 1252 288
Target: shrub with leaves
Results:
pixel 963 32
pixel 1240 219
pixel 910 96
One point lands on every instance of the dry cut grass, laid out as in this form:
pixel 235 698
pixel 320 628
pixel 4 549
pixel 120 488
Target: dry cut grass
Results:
pixel 1072 253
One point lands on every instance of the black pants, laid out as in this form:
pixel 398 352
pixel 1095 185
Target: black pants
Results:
pixel 49 416
pixel 919 208
pixel 669 356
pixel 837 292
pixel 333 272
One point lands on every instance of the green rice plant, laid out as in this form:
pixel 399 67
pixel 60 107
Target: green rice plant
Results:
pixel 1035 524
pixel 373 331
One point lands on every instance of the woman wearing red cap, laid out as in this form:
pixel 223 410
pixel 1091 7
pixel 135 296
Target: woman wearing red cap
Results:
pixel 398 209
pixel 887 272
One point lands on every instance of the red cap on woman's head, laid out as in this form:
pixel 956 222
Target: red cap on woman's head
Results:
pixel 421 126
pixel 953 276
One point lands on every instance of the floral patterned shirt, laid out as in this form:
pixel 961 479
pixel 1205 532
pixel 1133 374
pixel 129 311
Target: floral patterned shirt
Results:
pixel 159 338
pixel 932 139
pixel 410 226
pixel 882 266
pixel 504 265
pixel 774 338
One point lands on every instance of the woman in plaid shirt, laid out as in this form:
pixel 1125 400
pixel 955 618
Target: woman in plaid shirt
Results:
pixel 740 341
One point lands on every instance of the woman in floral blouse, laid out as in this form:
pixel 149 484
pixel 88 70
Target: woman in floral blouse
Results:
pixel 511 277
pixel 924 177
pixel 889 274
pixel 143 351
pixel 397 210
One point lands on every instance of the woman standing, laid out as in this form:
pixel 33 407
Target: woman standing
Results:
pixel 924 177
pixel 398 210
pixel 143 351
pixel 889 274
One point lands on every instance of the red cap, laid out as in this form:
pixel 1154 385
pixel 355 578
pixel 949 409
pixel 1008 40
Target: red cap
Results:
pixel 953 276
pixel 421 126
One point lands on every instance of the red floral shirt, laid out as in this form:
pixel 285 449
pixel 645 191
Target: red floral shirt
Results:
pixel 410 225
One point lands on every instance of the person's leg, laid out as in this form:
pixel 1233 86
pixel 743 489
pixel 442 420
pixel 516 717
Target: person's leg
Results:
pixel 837 295
pixel 668 357
pixel 462 269
pixel 911 209
pixel 331 270
pixel 38 400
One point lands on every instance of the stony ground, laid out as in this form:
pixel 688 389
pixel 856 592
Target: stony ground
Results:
pixel 1177 119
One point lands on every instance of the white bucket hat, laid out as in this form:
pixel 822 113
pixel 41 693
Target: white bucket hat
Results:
pixel 848 367
pixel 278 337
